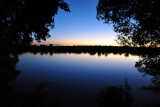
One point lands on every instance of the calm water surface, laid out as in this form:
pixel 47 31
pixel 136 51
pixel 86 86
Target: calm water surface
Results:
pixel 76 79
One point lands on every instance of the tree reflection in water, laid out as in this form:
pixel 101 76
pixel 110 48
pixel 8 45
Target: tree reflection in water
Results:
pixel 9 97
pixel 150 65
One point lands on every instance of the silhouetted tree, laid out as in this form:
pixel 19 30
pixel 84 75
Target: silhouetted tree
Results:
pixel 21 21
pixel 137 22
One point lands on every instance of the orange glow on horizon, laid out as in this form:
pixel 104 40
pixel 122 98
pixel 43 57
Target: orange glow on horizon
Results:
pixel 74 44
pixel 79 42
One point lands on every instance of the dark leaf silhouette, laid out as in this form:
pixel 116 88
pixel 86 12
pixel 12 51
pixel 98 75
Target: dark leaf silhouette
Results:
pixel 137 22
pixel 22 21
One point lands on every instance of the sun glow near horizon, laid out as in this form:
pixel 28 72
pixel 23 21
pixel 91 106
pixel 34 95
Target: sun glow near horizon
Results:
pixel 79 41
pixel 80 26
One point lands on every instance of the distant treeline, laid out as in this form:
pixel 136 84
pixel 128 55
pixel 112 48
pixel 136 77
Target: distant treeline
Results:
pixel 91 50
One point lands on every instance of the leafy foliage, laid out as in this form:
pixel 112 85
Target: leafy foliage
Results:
pixel 137 22
pixel 21 21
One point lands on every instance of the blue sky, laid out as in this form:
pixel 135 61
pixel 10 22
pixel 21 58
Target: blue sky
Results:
pixel 80 26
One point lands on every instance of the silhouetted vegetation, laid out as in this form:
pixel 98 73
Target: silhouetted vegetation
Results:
pixel 22 21
pixel 92 50
pixel 137 22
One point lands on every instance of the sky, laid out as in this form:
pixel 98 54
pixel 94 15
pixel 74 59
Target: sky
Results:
pixel 80 26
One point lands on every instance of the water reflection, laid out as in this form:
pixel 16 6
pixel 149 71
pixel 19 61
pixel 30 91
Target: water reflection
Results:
pixel 150 65
pixel 8 75
pixel 9 97
pixel 75 80
pixel 113 96
pixel 92 50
